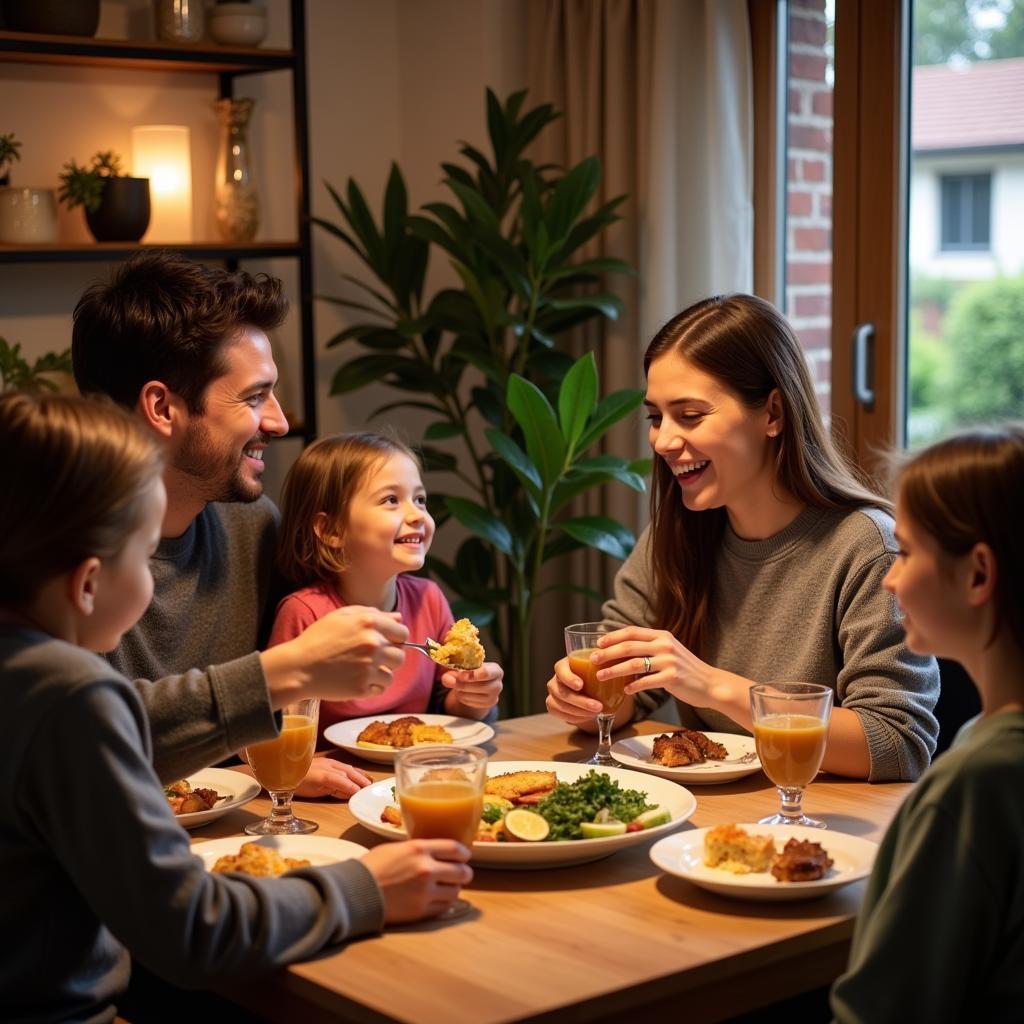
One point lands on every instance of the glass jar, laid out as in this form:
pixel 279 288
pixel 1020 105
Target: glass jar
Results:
pixel 237 204
pixel 179 21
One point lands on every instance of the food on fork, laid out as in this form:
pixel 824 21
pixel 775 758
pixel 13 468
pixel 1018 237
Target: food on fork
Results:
pixel 461 648
pixel 686 746
pixel 186 800
pixel 260 861
pixel 733 849
pixel 801 861
pixel 408 731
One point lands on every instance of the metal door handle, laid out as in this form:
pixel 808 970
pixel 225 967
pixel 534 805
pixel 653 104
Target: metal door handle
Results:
pixel 862 390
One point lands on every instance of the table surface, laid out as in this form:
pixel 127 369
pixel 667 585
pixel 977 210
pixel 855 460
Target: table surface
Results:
pixel 605 940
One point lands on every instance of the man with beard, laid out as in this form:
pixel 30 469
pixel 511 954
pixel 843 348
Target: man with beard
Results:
pixel 185 347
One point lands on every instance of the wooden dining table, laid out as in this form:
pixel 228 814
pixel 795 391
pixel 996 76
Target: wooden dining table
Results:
pixel 603 941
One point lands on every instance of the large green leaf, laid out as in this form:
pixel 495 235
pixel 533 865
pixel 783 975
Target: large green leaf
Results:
pixel 609 305
pixel 576 399
pixel 609 411
pixel 607 265
pixel 600 532
pixel 481 522
pixel 544 442
pixel 517 460
pixel 359 372
pixel 570 196
pixel 443 429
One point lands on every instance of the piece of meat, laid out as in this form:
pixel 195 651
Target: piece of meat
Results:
pixel 675 750
pixel 801 861
pixel 375 732
pixel 392 815
pixel 515 786
pixel 400 731
pixel 707 746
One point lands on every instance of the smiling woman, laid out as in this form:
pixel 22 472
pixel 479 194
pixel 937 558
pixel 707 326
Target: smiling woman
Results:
pixel 764 557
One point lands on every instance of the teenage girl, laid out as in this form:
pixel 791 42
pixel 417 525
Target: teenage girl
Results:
pixel 354 524
pixel 940 936
pixel 96 863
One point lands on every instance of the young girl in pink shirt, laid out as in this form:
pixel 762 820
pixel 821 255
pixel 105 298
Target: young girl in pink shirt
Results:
pixel 354 523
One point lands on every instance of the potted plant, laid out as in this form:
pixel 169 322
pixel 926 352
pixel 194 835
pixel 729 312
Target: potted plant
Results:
pixel 10 152
pixel 484 360
pixel 18 372
pixel 116 206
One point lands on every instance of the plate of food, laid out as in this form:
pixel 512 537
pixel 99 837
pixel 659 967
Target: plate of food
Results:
pixel 563 813
pixel 766 862
pixel 690 756
pixel 378 737
pixel 268 856
pixel 208 794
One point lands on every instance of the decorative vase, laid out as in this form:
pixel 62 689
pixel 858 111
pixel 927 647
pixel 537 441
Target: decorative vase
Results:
pixel 179 21
pixel 123 213
pixel 237 204
pixel 53 17
pixel 238 24
pixel 28 216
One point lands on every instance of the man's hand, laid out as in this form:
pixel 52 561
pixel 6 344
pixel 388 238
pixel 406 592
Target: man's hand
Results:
pixel 349 653
pixel 419 878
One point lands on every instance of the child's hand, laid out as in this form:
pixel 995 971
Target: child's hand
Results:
pixel 419 878
pixel 473 690
pixel 328 777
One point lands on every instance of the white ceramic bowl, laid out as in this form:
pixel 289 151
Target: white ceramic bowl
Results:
pixel 237 24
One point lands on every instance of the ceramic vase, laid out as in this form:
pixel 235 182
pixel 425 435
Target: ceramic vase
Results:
pixel 237 204
pixel 28 216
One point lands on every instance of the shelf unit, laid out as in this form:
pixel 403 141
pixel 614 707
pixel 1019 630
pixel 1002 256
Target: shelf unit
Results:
pixel 228 64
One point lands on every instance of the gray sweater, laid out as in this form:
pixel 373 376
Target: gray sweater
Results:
pixel 94 861
pixel 807 605
pixel 198 637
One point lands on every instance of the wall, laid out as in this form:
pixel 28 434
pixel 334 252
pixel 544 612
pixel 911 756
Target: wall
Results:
pixel 388 80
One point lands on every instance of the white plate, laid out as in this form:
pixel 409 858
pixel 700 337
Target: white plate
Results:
pixel 319 850
pixel 635 752
pixel 466 732
pixel 368 803
pixel 238 788
pixel 683 855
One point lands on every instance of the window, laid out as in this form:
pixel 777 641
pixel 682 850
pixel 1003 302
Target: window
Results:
pixel 966 206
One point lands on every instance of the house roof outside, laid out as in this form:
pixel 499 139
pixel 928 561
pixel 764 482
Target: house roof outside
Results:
pixel 977 106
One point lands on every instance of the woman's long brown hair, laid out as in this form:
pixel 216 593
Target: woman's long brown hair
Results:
pixel 747 345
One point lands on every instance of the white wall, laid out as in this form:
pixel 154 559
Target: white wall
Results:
pixel 388 80
pixel 1007 252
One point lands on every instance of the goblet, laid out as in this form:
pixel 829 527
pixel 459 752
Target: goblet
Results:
pixel 281 764
pixel 441 793
pixel 580 643
pixel 790 732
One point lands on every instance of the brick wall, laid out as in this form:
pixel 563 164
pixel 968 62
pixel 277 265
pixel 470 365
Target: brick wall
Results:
pixel 809 190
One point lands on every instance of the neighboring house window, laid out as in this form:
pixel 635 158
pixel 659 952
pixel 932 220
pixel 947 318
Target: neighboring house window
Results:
pixel 966 211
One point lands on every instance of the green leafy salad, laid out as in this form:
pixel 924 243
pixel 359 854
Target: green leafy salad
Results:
pixel 592 798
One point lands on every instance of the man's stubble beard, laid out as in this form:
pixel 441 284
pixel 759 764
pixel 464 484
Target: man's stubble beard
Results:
pixel 216 473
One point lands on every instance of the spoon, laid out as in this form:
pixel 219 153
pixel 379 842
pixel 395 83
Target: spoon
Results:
pixel 432 645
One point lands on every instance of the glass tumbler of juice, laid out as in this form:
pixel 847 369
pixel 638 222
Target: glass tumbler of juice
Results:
pixel 791 732
pixel 279 765
pixel 580 643
pixel 441 791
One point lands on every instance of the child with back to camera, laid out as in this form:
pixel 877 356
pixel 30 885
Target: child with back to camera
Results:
pixel 99 863
pixel 940 936
pixel 354 523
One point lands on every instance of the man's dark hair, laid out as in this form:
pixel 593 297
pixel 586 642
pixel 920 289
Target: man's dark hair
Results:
pixel 163 317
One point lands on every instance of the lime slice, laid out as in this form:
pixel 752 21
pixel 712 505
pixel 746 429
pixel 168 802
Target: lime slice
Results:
pixel 526 826
pixel 652 818
pixel 602 829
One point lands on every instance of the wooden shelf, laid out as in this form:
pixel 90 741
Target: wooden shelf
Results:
pixel 93 252
pixel 140 54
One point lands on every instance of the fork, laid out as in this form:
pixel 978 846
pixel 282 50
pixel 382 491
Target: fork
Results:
pixel 432 645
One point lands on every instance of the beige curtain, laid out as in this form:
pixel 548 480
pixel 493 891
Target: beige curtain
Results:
pixel 660 91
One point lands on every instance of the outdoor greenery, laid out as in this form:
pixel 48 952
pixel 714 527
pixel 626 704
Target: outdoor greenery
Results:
pixel 83 186
pixel 973 372
pixel 484 361
pixel 18 372
pixel 967 30
pixel 10 151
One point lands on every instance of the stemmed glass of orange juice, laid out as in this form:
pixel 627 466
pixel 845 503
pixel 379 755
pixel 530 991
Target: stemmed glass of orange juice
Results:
pixel 790 732
pixel 280 765
pixel 441 792
pixel 580 643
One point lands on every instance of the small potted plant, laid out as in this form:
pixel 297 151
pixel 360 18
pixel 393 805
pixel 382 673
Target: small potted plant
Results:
pixel 116 205
pixel 10 151
pixel 43 375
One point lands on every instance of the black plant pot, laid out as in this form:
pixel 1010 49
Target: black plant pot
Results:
pixel 53 17
pixel 123 215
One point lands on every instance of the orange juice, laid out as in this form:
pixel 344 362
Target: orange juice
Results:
pixel 281 764
pixel 790 748
pixel 442 810
pixel 607 691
